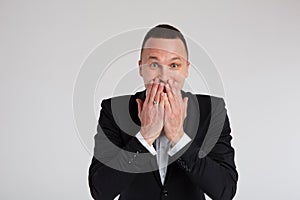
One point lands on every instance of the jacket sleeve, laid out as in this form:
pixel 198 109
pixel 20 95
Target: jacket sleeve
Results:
pixel 115 161
pixel 210 163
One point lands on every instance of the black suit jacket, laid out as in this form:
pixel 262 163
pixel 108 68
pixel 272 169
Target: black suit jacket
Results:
pixel 122 165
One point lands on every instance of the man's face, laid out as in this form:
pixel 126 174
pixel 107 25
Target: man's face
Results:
pixel 165 59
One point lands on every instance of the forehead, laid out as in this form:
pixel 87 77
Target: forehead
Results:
pixel 162 46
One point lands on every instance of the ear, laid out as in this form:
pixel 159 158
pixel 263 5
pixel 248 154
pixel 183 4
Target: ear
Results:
pixel 140 67
pixel 187 69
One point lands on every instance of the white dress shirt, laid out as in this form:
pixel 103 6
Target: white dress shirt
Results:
pixel 163 150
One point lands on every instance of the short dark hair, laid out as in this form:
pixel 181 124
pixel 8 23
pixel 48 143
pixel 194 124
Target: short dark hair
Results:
pixel 165 31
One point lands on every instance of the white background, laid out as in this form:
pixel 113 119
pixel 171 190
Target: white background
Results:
pixel 254 44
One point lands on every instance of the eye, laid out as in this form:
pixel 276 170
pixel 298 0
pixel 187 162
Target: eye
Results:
pixel 174 65
pixel 154 65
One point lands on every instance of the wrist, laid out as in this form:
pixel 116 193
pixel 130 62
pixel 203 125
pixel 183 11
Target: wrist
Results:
pixel 149 139
pixel 177 137
pixel 150 142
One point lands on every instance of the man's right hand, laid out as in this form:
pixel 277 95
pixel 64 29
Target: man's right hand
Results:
pixel 151 111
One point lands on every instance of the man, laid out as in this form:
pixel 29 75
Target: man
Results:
pixel 163 143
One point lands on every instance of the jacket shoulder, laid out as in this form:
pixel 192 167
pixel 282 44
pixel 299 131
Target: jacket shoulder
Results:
pixel 208 102
pixel 207 97
pixel 115 100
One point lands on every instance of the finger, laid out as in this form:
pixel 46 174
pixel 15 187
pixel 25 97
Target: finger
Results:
pixel 162 101
pixel 170 96
pixel 175 90
pixel 148 91
pixel 185 103
pixel 176 94
pixel 158 93
pixel 178 91
pixel 153 90
pixel 167 104
pixel 140 105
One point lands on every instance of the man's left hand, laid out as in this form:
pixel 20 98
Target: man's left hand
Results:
pixel 175 112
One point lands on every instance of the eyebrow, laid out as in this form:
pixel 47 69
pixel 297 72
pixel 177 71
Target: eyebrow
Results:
pixel 156 58
pixel 153 57
pixel 176 58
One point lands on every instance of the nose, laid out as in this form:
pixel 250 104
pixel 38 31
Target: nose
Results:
pixel 163 74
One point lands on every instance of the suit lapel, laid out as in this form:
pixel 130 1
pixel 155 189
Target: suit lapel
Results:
pixel 157 177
